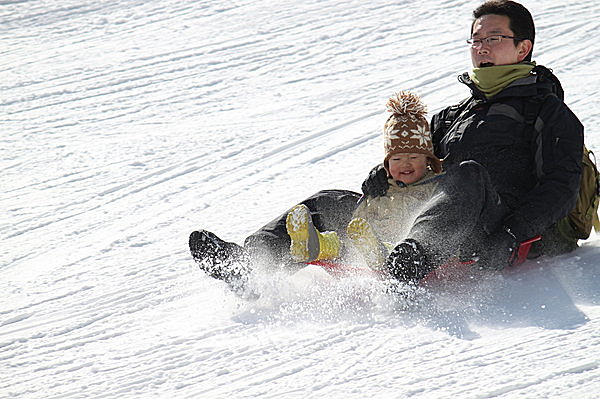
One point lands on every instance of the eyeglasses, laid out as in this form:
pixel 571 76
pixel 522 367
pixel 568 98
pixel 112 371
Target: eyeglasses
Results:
pixel 491 41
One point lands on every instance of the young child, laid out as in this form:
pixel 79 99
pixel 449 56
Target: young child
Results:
pixel 374 226
pixel 380 222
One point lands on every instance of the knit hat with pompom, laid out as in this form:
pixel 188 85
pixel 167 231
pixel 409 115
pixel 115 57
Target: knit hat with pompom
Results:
pixel 407 130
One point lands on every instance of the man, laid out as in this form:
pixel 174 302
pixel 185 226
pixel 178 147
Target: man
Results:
pixel 535 171
pixel 506 181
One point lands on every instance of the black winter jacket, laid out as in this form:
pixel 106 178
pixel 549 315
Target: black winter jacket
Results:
pixel 536 175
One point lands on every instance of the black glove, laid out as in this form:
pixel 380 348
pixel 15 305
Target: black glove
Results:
pixel 376 184
pixel 500 251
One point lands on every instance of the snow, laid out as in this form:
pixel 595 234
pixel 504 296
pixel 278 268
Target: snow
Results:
pixel 126 125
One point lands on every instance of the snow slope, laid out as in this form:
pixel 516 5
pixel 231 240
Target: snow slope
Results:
pixel 126 125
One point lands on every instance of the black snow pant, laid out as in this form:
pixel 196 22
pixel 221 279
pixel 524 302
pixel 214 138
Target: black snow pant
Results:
pixel 464 210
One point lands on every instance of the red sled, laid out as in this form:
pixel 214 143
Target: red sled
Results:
pixel 452 268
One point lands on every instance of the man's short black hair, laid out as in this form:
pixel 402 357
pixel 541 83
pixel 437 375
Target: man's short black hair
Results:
pixel 521 21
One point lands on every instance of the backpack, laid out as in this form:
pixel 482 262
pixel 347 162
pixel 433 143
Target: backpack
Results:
pixel 577 225
pixel 579 221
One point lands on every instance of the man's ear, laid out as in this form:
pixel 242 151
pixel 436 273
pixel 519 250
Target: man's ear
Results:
pixel 524 47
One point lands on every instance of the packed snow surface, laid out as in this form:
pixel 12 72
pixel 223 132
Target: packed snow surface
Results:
pixel 128 124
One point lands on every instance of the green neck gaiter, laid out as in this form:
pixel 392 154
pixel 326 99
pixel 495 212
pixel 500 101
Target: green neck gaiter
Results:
pixel 492 80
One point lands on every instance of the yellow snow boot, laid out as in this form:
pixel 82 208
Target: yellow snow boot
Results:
pixel 329 245
pixel 363 238
pixel 307 243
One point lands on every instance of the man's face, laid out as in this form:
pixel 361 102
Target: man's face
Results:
pixel 504 53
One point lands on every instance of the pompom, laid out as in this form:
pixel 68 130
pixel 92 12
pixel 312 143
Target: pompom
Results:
pixel 406 105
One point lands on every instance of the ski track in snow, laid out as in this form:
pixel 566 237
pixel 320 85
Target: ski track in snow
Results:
pixel 126 125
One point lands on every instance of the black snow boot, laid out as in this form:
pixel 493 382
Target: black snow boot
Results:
pixel 220 259
pixel 407 262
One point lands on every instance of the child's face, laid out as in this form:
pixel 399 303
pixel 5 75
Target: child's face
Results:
pixel 408 167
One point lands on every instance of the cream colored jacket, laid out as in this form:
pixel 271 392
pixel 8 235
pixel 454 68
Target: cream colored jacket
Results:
pixel 392 215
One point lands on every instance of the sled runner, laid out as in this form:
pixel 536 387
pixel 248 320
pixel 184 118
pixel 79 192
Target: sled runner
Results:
pixel 523 250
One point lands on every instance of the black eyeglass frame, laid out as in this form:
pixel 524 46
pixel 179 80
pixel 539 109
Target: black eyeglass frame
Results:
pixel 472 41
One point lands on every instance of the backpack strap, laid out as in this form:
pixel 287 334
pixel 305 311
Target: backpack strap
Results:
pixel 533 105
pixel 546 75
pixel 531 114
pixel 549 85
pixel 533 128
